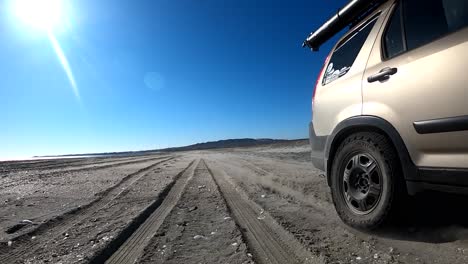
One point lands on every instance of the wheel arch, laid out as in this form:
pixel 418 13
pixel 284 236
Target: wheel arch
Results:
pixel 369 124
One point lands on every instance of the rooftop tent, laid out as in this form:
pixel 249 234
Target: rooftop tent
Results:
pixel 349 14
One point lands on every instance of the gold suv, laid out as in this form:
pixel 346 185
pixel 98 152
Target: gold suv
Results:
pixel 390 107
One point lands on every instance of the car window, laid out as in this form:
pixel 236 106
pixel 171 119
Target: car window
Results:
pixel 346 52
pixel 456 13
pixel 427 20
pixel 393 38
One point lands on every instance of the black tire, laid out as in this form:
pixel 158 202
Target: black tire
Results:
pixel 366 160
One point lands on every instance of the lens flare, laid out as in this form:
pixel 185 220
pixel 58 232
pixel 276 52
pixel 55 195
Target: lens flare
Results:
pixel 66 66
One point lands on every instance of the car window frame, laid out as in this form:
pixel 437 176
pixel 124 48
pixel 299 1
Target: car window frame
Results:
pixel 347 38
pixel 403 32
pixel 383 45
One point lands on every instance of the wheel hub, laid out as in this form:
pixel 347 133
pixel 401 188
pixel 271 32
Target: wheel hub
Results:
pixel 362 183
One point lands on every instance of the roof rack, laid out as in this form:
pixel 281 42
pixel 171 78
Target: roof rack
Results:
pixel 351 14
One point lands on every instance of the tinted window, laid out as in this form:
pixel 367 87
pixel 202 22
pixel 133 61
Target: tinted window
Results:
pixel 426 20
pixel 393 39
pixel 346 52
pixel 456 13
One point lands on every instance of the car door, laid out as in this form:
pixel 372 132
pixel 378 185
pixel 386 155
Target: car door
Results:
pixel 416 79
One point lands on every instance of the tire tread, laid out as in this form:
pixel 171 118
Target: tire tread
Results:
pixel 388 153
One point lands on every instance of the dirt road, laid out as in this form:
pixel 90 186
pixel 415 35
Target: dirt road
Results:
pixel 246 205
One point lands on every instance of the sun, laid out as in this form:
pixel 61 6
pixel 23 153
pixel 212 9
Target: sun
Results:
pixel 40 14
pixel 47 15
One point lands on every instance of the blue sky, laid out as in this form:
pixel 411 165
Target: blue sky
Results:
pixel 158 73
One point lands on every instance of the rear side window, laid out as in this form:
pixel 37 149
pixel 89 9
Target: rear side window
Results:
pixel 393 38
pixel 346 52
pixel 456 13
pixel 423 21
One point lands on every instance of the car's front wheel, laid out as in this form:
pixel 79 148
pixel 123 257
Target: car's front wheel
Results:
pixel 365 180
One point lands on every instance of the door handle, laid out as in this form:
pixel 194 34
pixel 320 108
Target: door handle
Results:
pixel 383 75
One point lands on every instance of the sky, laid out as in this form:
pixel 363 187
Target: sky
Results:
pixel 117 75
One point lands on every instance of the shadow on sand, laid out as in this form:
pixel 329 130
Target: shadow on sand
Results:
pixel 430 217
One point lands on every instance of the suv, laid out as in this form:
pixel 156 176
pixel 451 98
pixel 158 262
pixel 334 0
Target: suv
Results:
pixel 390 106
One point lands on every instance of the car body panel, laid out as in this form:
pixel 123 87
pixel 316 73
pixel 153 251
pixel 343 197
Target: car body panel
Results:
pixel 342 98
pixel 430 84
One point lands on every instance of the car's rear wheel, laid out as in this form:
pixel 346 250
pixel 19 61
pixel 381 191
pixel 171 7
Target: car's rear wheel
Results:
pixel 365 180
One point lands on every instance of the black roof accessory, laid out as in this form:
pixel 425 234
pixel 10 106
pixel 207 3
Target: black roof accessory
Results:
pixel 350 14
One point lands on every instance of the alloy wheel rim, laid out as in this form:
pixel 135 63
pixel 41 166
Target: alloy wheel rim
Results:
pixel 362 183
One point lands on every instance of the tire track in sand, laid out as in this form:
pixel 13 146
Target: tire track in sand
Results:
pixel 269 242
pixel 98 166
pixel 59 163
pixel 8 182
pixel 198 229
pixel 132 247
pixel 23 245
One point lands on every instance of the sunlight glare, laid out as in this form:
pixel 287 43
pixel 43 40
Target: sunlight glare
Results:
pixel 40 14
pixel 46 15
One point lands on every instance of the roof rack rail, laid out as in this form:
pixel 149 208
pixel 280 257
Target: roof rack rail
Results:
pixel 351 14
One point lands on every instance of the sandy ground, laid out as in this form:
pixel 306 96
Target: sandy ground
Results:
pixel 246 205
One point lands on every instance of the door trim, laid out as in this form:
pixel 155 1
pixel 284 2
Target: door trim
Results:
pixel 442 125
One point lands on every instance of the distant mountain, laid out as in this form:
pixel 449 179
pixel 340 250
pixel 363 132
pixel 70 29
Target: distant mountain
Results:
pixel 226 143
pixel 229 143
